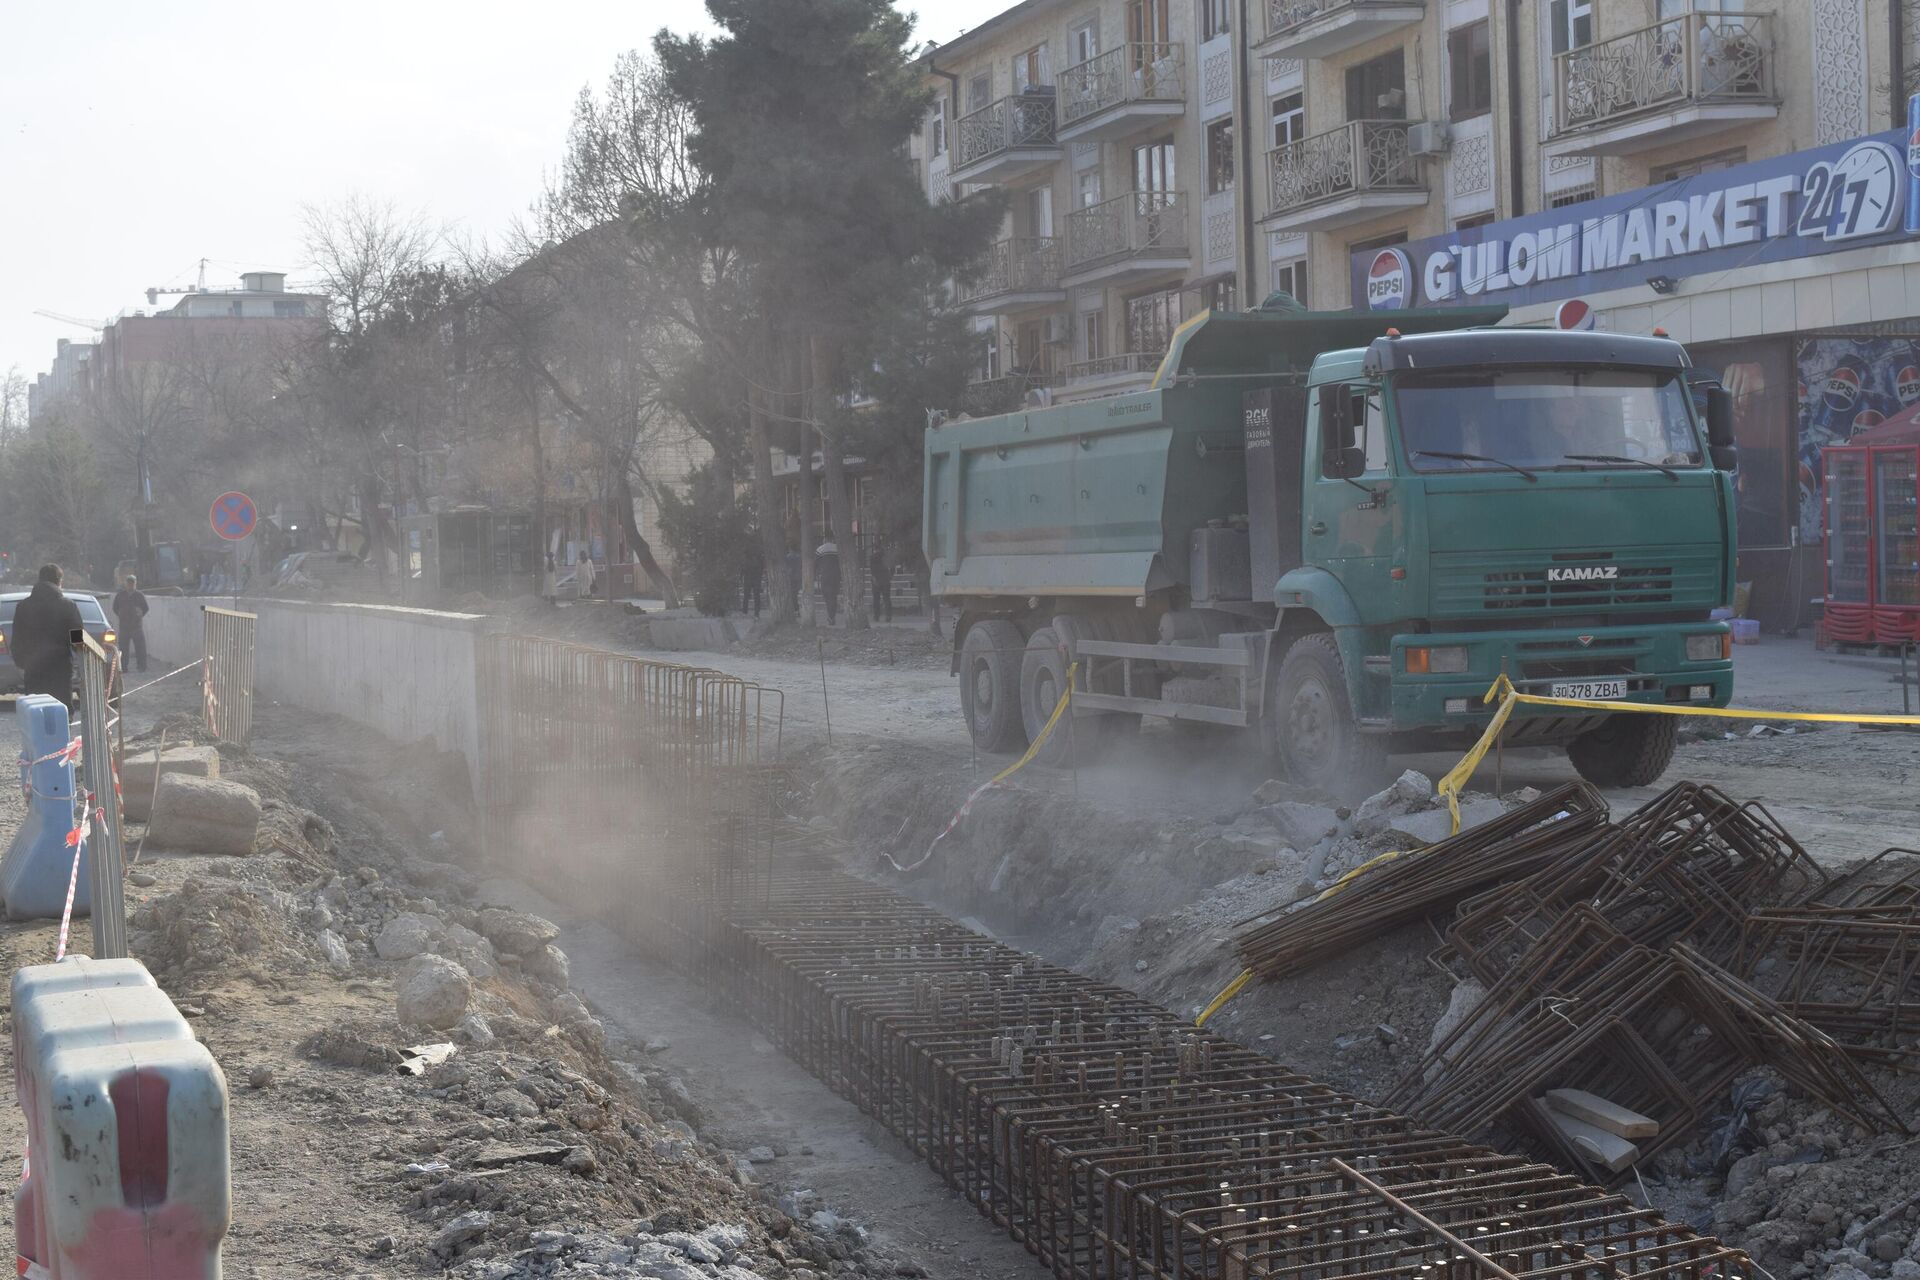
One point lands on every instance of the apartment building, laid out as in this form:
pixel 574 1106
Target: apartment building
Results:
pixel 1731 171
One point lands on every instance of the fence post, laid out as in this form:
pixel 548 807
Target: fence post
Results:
pixel 106 863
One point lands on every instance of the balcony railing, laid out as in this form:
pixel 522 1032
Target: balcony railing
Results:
pixel 1359 156
pixel 1703 57
pixel 1128 73
pixel 1022 120
pixel 1284 17
pixel 1022 265
pixel 1139 224
pixel 986 397
pixel 1136 362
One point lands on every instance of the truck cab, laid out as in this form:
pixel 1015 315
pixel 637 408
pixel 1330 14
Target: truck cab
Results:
pixel 1340 534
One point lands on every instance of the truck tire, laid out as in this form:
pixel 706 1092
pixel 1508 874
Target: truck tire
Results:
pixel 1043 678
pixel 1626 750
pixel 990 685
pixel 1309 729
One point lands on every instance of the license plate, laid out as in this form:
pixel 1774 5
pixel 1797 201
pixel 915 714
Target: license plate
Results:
pixel 1590 690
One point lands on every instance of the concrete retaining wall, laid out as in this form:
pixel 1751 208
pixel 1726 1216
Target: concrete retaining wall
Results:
pixel 409 673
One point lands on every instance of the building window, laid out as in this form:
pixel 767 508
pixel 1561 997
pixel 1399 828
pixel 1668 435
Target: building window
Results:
pixel 1693 168
pixel 1220 156
pixel 1093 334
pixel 1148 23
pixel 289 310
pixel 937 130
pixel 1083 42
pixel 1039 203
pixel 1578 195
pixel 1377 88
pixel 1153 166
pixel 1477 220
pixel 1151 320
pixel 1031 71
pixel 979 91
pixel 1289 119
pixel 1291 278
pixel 1378 242
pixel 1215 18
pixel 989 366
pixel 1470 70
pixel 1571 22
pixel 1220 295
pixel 1086 185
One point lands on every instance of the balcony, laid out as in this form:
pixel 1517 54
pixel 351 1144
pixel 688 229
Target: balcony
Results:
pixel 1682 78
pixel 1016 275
pixel 1122 91
pixel 1320 28
pixel 1141 234
pixel 1005 139
pixel 1359 170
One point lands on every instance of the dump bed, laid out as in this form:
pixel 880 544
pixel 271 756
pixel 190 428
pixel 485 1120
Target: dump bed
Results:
pixel 1099 498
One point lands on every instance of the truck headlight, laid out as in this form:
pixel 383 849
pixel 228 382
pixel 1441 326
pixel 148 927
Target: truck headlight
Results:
pixel 1446 660
pixel 1709 647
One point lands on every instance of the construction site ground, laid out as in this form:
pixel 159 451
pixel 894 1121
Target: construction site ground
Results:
pixel 1135 871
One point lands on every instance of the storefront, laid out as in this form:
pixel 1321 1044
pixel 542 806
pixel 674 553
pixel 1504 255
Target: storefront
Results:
pixel 1795 281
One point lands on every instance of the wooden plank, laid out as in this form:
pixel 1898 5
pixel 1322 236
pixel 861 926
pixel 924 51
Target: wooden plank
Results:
pixel 1591 1108
pixel 1608 1150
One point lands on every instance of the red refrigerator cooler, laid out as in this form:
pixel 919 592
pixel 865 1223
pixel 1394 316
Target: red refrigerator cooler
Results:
pixel 1873 542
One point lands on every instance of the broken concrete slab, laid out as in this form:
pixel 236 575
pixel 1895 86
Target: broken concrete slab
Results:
pixel 204 815
pixel 1410 793
pixel 1301 825
pixel 517 933
pixel 139 769
pixel 1608 1150
pixel 1431 826
pixel 1591 1108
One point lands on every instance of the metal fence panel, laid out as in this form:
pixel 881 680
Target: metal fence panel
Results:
pixel 229 674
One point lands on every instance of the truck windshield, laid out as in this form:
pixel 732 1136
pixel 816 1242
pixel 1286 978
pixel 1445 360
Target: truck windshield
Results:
pixel 1541 419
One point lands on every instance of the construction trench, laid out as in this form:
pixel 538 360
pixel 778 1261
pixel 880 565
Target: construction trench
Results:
pixel 1635 970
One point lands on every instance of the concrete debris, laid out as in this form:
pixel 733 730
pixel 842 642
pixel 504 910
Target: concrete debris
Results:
pixel 137 774
pixel 463 1229
pixel 517 933
pixel 1608 1150
pixel 420 1057
pixel 433 992
pixel 407 935
pixel 204 815
pixel 1411 792
pixel 1431 826
pixel 1602 1114
pixel 142 879
pixel 335 950
pixel 549 964
pixel 474 1029
pixel 1301 825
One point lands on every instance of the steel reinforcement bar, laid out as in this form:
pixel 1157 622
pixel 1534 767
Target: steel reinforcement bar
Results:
pixel 1111 1137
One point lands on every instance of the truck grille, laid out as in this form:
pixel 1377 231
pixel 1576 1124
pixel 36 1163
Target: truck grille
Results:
pixel 1482 583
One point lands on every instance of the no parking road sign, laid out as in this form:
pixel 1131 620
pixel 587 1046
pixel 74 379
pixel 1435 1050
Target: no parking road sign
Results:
pixel 233 516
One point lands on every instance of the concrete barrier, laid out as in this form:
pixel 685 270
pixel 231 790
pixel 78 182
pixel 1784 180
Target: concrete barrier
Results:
pixel 39 863
pixel 409 673
pixel 142 766
pixel 128 1160
pixel 204 815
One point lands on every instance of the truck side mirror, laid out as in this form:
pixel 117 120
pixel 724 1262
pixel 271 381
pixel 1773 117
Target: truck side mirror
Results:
pixel 1341 457
pixel 1720 444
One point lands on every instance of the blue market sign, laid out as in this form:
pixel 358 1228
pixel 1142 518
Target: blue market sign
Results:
pixel 1842 196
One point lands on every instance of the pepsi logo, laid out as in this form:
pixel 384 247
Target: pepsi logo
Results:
pixel 1389 281
pixel 1574 313
pixel 1868 418
pixel 1913 152
pixel 1906 384
pixel 1843 388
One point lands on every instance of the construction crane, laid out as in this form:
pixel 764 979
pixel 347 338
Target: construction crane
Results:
pixel 63 318
pixel 200 286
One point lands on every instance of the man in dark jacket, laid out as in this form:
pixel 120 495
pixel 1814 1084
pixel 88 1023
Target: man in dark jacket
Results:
pixel 43 627
pixel 130 613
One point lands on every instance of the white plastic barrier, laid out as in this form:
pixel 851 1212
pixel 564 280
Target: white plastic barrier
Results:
pixel 128 1175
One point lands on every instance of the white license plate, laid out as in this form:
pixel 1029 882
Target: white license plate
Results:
pixel 1590 690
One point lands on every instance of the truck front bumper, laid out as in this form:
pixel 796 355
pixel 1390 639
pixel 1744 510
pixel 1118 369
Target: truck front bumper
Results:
pixel 1652 663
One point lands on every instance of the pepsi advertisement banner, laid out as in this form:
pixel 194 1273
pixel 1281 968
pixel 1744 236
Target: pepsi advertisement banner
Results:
pixel 1846 195
pixel 1846 386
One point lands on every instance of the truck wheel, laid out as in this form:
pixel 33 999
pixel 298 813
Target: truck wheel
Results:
pixel 990 685
pixel 1043 678
pixel 1626 750
pixel 1309 727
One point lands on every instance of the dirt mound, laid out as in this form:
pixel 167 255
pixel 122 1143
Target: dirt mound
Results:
pixel 210 925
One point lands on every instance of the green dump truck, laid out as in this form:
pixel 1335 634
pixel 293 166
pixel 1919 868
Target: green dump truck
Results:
pixel 1339 534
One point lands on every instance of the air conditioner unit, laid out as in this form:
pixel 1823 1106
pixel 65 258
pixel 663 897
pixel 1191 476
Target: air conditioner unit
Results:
pixel 1059 329
pixel 1427 138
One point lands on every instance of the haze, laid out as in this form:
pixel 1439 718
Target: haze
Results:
pixel 136 139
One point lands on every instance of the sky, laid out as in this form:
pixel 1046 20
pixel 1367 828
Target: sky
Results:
pixel 137 138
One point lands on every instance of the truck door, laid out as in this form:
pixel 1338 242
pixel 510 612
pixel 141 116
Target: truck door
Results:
pixel 1351 523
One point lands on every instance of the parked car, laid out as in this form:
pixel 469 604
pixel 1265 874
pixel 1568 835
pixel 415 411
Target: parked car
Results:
pixel 92 617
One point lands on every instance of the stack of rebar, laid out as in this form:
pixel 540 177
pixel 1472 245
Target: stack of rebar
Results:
pixel 1532 838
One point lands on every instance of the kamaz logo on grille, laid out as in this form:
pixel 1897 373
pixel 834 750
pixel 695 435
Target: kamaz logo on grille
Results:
pixel 1585 573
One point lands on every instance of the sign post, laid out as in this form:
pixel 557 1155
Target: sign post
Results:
pixel 233 517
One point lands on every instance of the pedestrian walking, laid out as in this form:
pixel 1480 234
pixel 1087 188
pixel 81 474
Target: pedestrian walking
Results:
pixel 130 615
pixel 826 571
pixel 881 573
pixel 43 627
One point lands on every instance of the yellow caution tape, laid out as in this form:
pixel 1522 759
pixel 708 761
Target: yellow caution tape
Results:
pixel 1233 989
